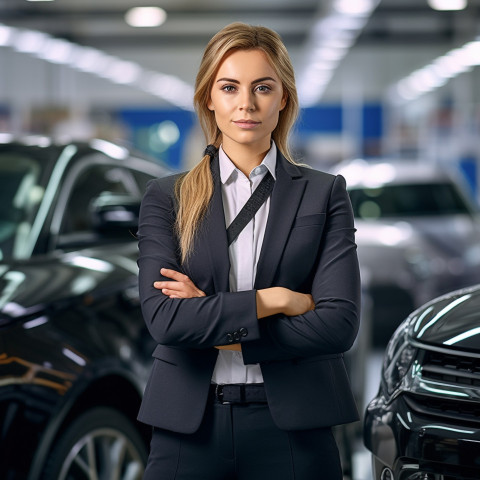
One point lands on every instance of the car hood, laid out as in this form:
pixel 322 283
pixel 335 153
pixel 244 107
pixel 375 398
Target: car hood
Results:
pixel 27 287
pixel 450 321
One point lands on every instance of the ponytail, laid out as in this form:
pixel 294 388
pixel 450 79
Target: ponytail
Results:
pixel 193 191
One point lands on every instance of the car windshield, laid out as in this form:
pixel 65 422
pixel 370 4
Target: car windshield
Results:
pixel 20 196
pixel 412 200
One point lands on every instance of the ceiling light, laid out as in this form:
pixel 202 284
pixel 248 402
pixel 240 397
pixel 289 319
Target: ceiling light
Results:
pixel 124 72
pixel 6 34
pixel 448 4
pixel 97 62
pixel 146 16
pixel 354 7
pixel 329 41
pixel 57 50
pixel 437 73
pixel 30 41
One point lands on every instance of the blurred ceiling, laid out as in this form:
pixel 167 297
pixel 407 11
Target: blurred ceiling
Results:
pixel 399 35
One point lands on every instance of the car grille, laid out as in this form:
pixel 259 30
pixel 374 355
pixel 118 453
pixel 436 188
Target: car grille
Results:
pixel 454 370
pixel 458 410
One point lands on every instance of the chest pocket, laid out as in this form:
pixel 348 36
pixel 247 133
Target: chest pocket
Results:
pixel 301 250
pixel 309 220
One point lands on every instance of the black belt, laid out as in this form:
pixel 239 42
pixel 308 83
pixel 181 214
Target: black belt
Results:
pixel 239 393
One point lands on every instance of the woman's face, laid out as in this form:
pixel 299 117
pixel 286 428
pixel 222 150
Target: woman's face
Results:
pixel 247 96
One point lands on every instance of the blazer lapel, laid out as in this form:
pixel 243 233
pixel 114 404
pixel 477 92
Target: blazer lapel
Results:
pixel 213 236
pixel 286 197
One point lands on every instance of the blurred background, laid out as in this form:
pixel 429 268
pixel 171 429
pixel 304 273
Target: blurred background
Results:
pixel 376 78
pixel 390 98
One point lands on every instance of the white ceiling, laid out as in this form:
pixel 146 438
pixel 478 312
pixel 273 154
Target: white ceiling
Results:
pixel 400 36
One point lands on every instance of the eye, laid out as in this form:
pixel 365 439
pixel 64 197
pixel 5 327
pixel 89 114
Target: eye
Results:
pixel 228 88
pixel 263 88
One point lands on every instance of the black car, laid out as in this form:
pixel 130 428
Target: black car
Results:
pixel 425 421
pixel 74 351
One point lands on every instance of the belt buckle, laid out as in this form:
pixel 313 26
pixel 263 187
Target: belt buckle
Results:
pixel 219 394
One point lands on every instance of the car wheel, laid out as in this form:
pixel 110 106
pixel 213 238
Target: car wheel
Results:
pixel 100 444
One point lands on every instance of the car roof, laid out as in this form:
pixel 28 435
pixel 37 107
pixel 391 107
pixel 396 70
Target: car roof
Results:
pixel 362 173
pixel 51 148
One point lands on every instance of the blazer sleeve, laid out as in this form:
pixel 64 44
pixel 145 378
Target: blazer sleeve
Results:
pixel 202 322
pixel 333 325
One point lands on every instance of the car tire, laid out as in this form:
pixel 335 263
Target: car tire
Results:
pixel 101 443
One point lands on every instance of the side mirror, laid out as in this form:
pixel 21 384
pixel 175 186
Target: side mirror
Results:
pixel 112 213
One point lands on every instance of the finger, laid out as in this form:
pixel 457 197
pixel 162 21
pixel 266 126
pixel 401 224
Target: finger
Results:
pixel 170 285
pixel 171 293
pixel 174 275
pixel 178 290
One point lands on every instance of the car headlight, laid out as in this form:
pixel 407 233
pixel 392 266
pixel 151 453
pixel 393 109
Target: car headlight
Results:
pixel 399 356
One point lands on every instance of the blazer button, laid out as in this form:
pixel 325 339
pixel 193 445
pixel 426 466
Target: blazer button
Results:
pixel 236 336
pixel 229 338
pixel 243 332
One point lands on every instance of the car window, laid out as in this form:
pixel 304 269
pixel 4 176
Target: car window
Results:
pixel 92 182
pixel 432 199
pixel 20 196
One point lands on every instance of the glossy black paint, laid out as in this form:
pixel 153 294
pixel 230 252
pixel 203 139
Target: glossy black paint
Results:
pixel 71 331
pixel 429 424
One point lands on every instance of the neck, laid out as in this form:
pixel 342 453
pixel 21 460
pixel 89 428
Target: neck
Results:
pixel 246 157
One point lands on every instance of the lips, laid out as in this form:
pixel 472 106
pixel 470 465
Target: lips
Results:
pixel 243 123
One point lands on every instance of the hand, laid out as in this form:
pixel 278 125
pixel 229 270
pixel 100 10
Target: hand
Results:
pixel 298 303
pixel 236 347
pixel 183 287
pixel 271 301
pixel 180 287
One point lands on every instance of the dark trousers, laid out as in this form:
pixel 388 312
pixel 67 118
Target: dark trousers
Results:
pixel 241 442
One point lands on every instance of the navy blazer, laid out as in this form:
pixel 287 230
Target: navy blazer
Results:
pixel 309 246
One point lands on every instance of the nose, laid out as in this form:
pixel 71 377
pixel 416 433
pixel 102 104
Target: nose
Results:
pixel 247 101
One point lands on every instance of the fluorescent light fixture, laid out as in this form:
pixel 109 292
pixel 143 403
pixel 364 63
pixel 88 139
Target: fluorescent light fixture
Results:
pixel 329 41
pixel 29 41
pixel 146 16
pixel 448 4
pixel 96 62
pixel 6 35
pixel 168 86
pixel 354 7
pixel 88 60
pixel 437 73
pixel 57 50
pixel 121 71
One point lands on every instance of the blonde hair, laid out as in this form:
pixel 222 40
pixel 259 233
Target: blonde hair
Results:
pixel 194 189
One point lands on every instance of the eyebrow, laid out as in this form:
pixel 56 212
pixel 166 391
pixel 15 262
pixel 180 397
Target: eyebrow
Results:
pixel 259 80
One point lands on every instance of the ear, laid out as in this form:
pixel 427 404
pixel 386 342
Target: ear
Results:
pixel 210 105
pixel 284 100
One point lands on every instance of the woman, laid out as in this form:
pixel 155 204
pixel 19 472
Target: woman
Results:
pixel 248 376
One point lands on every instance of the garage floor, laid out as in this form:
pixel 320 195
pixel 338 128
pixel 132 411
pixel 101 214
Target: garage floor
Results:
pixel 362 459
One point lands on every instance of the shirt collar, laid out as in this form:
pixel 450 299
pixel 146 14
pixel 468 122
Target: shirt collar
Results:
pixel 227 167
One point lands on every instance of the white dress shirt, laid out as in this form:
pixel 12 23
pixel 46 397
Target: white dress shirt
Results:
pixel 243 252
